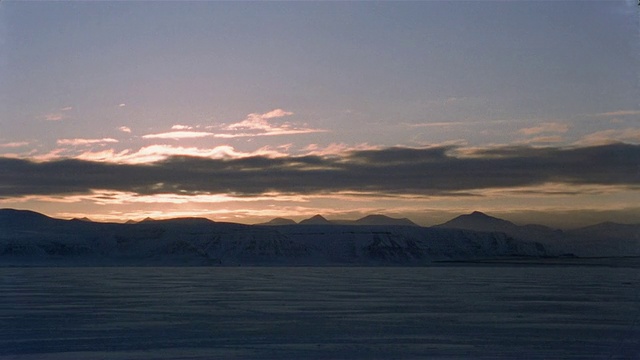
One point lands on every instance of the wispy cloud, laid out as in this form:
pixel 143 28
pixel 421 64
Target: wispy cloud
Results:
pixel 254 125
pixel 256 121
pixel 388 171
pixel 610 136
pixel 619 113
pixel 57 115
pixel 54 117
pixel 549 127
pixel 181 127
pixel 440 124
pixel 259 125
pixel 178 135
pixel 544 139
pixel 125 129
pixel 14 144
pixel 81 142
pixel 155 153
pixel 457 123
pixel 336 149
pixel 271 132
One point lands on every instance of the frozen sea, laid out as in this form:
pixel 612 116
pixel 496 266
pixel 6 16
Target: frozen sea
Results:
pixel 471 311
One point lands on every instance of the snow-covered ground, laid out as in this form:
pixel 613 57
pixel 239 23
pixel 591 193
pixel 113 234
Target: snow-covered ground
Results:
pixel 507 312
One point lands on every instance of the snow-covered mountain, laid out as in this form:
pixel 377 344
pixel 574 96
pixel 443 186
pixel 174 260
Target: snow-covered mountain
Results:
pixel 480 222
pixel 375 219
pixel 31 238
pixel 606 239
pixel 278 222
pixel 315 220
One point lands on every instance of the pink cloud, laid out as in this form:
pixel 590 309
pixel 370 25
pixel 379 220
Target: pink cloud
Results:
pixel 124 129
pixel 14 144
pixel 258 125
pixel 53 117
pixel 153 153
pixel 549 127
pixel 58 115
pixel 177 135
pixel 275 114
pixel 334 149
pixel 81 142
pixel 619 113
pixel 181 127
pixel 610 136
pixel 545 139
pixel 255 121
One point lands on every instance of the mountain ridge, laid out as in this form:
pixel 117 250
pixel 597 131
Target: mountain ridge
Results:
pixel 27 232
pixel 26 238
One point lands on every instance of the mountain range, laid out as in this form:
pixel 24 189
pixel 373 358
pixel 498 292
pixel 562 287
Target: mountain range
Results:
pixel 375 219
pixel 604 239
pixel 30 238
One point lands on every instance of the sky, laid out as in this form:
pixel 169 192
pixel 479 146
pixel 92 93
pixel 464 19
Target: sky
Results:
pixel 246 111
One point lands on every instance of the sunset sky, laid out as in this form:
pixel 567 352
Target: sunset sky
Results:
pixel 246 111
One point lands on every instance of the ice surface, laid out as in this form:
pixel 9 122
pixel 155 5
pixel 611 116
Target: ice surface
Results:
pixel 532 312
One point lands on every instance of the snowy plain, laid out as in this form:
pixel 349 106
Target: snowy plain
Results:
pixel 462 311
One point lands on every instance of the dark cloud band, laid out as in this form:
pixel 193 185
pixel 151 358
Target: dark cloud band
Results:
pixel 386 171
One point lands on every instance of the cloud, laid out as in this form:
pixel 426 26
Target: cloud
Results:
pixel 81 142
pixel 14 144
pixel 619 113
pixel 442 124
pixel 155 153
pixel 258 125
pixel 335 149
pixel 58 115
pixel 549 127
pixel 122 105
pixel 611 136
pixel 181 127
pixel 544 139
pixel 178 135
pixel 254 125
pixel 271 132
pixel 274 114
pixel 256 121
pixel 388 171
pixel 124 129
pixel 53 117
pixel 457 123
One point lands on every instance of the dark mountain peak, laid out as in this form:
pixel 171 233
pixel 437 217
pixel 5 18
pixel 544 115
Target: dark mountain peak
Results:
pixel 23 218
pixel 378 219
pixel 479 221
pixel 21 214
pixel 146 220
pixel 315 220
pixel 186 221
pixel 607 226
pixel 82 219
pixel 278 221
pixel 478 214
pixel 7 212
